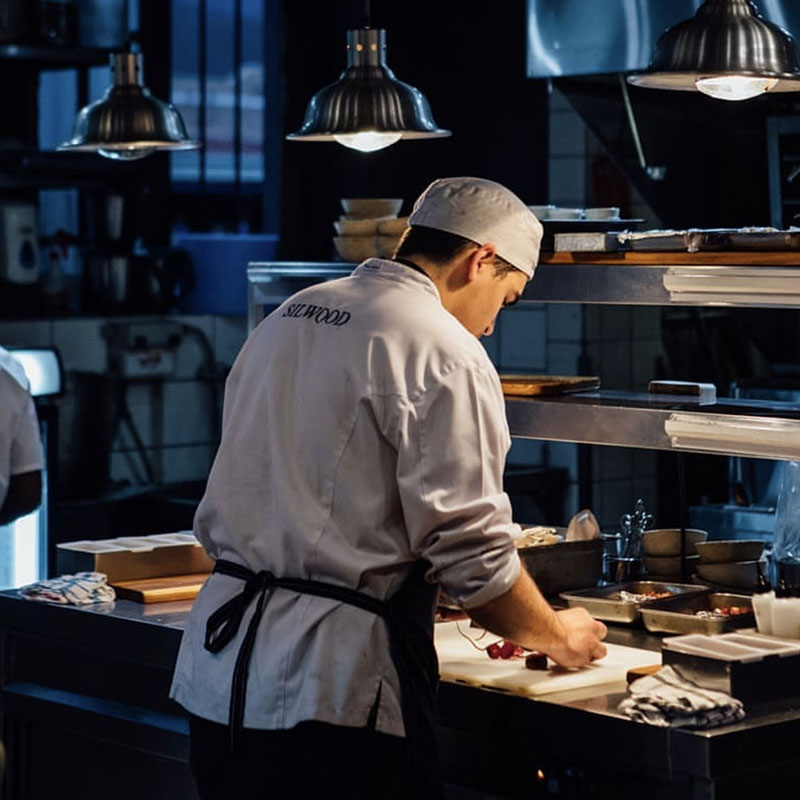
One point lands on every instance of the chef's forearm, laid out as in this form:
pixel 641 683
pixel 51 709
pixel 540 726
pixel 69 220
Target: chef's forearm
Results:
pixel 521 615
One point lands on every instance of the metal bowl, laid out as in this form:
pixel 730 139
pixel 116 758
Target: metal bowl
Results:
pixel 736 574
pixel 723 550
pixel 668 565
pixel 667 541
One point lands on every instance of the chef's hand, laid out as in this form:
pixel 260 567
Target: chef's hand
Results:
pixel 581 642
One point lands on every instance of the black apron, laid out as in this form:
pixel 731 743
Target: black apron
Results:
pixel 409 621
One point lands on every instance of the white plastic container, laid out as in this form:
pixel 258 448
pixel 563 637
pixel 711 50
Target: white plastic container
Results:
pixel 786 617
pixel 762 606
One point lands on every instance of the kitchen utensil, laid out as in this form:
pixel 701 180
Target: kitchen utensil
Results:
pixel 355 248
pixel 736 574
pixel 372 206
pixel 667 565
pixel 392 226
pixel 667 541
pixel 679 614
pixel 386 245
pixel 357 227
pixel 723 550
pixel 564 565
pixel 606 603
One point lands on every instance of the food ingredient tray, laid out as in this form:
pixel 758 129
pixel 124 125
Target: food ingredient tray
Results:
pixel 679 614
pixel 606 603
pixel 759 670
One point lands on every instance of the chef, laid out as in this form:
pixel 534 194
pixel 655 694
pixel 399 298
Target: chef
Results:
pixel 21 456
pixel 360 468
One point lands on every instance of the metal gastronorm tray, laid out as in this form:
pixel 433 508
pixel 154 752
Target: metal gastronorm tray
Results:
pixel 604 602
pixel 678 614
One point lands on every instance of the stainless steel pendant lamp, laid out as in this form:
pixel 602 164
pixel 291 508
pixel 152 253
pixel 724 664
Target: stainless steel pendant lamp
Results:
pixel 726 51
pixel 128 122
pixel 367 108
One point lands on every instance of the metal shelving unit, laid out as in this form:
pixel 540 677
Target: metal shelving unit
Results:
pixel 626 419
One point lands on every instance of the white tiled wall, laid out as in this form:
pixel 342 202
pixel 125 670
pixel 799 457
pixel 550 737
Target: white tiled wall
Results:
pixel 620 344
pixel 174 417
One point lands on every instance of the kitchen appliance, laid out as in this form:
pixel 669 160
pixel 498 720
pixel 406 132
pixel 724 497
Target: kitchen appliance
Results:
pixel 19 251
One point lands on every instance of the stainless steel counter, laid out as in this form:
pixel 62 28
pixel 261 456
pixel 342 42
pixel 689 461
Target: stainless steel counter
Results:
pixel 96 679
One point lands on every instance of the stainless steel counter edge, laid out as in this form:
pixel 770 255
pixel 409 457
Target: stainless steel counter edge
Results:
pixel 151 635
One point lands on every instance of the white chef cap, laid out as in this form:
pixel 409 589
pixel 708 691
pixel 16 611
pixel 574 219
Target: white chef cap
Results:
pixel 482 211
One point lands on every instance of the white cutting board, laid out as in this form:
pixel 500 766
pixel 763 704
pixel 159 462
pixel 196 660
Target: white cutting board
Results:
pixel 460 661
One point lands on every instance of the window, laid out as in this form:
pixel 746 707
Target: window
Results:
pixel 218 84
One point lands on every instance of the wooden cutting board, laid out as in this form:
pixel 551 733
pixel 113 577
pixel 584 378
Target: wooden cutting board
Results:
pixel 460 662
pixel 547 384
pixel 161 590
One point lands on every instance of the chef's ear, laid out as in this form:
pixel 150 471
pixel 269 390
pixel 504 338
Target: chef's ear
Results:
pixel 481 258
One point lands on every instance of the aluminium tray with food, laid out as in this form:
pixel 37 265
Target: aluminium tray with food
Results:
pixel 620 602
pixel 709 613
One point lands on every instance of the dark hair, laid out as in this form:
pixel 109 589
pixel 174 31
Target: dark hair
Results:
pixel 440 247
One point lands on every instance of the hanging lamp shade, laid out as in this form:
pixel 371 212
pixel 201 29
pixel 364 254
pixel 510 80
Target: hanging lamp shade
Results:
pixel 128 122
pixel 367 108
pixel 727 51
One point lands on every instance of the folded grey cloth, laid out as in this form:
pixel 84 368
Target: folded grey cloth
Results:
pixel 666 699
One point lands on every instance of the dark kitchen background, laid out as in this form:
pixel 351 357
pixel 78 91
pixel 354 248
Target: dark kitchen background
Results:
pixel 140 266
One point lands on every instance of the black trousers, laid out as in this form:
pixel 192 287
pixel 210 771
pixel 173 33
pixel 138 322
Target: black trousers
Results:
pixel 313 760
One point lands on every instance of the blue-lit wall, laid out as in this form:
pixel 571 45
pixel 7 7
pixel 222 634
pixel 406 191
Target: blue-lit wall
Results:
pixel 582 37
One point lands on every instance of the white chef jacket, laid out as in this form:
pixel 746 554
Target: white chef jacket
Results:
pixel 20 441
pixel 364 429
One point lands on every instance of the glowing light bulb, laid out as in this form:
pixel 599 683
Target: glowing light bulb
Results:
pixel 127 154
pixel 734 87
pixel 367 141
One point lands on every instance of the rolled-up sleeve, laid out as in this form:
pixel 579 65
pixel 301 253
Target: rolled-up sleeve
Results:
pixel 450 474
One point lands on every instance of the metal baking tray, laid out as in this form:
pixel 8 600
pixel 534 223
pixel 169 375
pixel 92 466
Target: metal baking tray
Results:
pixel 604 602
pixel 679 614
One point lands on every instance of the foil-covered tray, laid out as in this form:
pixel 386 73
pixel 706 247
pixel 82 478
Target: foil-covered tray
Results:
pixel 696 613
pixel 697 239
pixel 610 602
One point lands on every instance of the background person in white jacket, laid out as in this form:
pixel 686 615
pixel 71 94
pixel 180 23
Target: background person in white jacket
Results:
pixel 21 456
pixel 360 467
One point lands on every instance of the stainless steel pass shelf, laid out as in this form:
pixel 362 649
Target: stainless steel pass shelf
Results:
pixel 746 279
pixel 732 427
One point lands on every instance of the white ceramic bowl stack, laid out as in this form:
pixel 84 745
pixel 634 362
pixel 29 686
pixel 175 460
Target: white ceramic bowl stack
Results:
pixel 368 227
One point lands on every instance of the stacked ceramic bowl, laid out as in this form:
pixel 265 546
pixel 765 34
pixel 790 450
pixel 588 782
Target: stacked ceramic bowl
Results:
pixel 732 563
pixel 368 227
pixel 662 552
